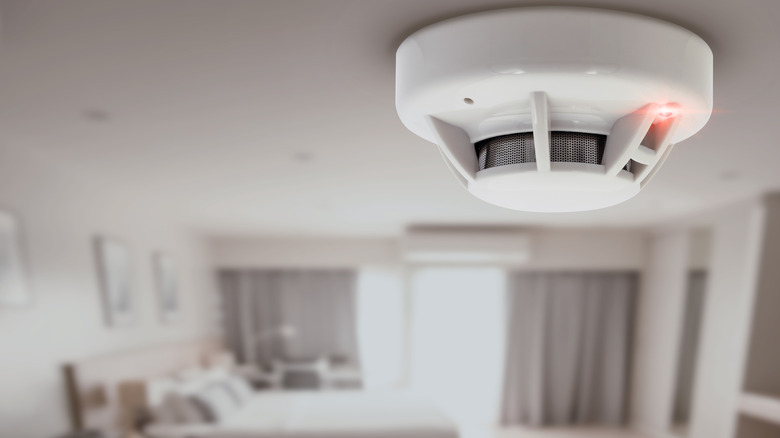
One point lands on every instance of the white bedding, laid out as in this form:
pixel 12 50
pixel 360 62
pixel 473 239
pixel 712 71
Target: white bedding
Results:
pixel 342 414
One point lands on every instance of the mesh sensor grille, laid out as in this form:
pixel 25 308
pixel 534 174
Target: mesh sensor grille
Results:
pixel 570 147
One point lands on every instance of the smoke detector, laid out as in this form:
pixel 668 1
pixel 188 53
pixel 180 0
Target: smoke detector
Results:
pixel 554 109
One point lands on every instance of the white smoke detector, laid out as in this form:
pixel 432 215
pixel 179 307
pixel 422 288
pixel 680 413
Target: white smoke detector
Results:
pixel 553 108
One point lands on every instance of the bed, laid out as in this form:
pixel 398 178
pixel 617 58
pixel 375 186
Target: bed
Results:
pixel 335 414
pixel 120 393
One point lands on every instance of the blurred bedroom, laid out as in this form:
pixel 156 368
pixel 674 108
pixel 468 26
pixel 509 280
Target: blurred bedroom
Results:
pixel 214 223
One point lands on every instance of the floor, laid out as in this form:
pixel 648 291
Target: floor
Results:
pixel 680 430
pixel 575 432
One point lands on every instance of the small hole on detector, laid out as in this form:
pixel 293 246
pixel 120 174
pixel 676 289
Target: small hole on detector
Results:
pixel 302 157
pixel 468 101
pixel 729 175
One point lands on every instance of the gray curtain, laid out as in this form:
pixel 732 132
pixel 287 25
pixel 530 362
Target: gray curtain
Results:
pixel 319 304
pixel 689 346
pixel 568 348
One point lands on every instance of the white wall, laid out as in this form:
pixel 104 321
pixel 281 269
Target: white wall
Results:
pixel 588 249
pixel 734 243
pixel 701 249
pixel 659 323
pixel 297 252
pixel 550 249
pixel 762 372
pixel 737 238
pixel 60 213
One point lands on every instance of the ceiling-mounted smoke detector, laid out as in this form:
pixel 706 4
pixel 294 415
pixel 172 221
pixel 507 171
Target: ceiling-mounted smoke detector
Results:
pixel 554 109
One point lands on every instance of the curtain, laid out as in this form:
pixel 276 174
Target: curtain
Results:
pixel 290 314
pixel 568 348
pixel 689 346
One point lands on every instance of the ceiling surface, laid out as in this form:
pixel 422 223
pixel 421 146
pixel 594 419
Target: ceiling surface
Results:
pixel 278 117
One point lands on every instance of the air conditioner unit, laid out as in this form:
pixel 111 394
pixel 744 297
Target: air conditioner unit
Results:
pixel 458 246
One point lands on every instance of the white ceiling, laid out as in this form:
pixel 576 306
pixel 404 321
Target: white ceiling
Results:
pixel 277 117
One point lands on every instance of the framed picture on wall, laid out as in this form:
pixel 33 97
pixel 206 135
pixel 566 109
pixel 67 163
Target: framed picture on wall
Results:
pixel 13 285
pixel 167 285
pixel 114 271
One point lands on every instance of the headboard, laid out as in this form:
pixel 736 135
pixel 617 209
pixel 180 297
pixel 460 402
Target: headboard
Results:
pixel 93 384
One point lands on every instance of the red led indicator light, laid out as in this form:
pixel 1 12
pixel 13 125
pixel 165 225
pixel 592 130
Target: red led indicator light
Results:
pixel 666 111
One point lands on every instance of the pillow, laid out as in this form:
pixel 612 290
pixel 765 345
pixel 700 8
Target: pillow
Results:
pixel 157 391
pixel 240 389
pixel 215 374
pixel 188 398
pixel 180 402
pixel 164 413
pixel 158 388
pixel 183 409
pixel 190 374
pixel 215 402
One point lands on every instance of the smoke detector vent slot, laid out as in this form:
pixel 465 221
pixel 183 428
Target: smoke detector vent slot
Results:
pixel 565 147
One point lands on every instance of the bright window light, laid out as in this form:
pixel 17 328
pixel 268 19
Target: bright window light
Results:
pixel 458 341
pixel 381 326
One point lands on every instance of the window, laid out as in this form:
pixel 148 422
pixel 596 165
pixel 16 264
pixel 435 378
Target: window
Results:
pixel 380 321
pixel 458 340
